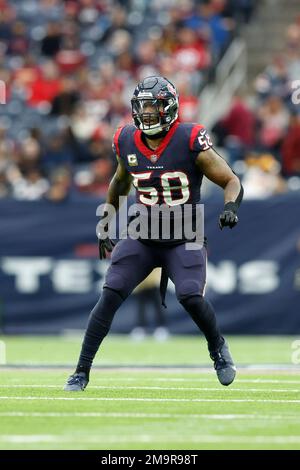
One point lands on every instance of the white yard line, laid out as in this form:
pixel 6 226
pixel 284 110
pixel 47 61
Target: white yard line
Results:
pixel 269 381
pixel 183 379
pixel 187 400
pixel 144 438
pixel 79 414
pixel 167 369
pixel 198 389
pixel 195 379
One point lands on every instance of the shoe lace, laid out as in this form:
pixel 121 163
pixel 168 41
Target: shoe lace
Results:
pixel 76 379
pixel 219 361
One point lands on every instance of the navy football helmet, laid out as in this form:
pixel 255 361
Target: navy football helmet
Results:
pixel 154 105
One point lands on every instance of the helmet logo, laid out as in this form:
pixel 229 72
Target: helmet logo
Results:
pixel 171 89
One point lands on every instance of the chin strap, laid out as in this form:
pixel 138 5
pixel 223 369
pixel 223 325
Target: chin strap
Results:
pixel 160 134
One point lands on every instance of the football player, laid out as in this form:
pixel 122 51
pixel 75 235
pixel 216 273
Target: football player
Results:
pixel 166 161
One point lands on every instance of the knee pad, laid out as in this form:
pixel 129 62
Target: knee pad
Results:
pixel 188 288
pixel 120 274
pixel 116 282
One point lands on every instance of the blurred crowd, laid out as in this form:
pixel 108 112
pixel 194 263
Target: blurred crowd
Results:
pixel 70 67
pixel 262 135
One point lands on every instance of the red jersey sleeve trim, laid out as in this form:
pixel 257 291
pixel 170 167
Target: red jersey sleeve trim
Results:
pixel 194 132
pixel 116 139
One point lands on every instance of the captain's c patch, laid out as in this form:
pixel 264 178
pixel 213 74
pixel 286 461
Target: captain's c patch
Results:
pixel 132 159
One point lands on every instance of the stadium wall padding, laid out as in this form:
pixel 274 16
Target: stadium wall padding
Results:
pixel 50 276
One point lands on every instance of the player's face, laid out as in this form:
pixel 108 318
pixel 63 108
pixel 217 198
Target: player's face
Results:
pixel 150 112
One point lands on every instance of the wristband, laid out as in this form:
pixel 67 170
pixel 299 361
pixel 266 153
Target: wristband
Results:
pixel 231 206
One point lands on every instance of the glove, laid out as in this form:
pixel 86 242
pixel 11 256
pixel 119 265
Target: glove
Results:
pixel 104 246
pixel 228 218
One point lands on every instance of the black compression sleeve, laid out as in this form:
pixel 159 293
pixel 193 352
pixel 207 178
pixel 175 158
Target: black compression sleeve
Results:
pixel 234 205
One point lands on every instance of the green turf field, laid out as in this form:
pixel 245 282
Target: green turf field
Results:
pixel 179 405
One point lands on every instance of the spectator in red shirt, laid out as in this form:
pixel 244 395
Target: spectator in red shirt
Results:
pixel 240 122
pixel 236 130
pixel 69 58
pixel 291 148
pixel 191 54
pixel 45 87
pixel 273 118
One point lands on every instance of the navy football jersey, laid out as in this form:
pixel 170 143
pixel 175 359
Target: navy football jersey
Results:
pixel 167 175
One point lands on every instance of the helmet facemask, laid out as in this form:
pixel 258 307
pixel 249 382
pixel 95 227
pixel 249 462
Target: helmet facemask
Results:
pixel 163 112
